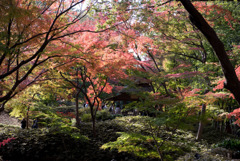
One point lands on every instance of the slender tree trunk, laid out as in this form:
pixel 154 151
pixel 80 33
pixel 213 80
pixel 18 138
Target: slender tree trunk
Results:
pixel 77 104
pixel 2 105
pixel 232 82
pixel 201 124
pixel 94 126
pixel 221 126
pixel 93 120
pixel 28 116
pixel 228 127
pixel 165 88
pixel 77 107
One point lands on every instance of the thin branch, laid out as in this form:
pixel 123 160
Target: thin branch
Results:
pixel 25 61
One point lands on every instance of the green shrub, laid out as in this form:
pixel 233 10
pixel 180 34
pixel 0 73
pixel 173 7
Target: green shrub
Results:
pixel 104 115
pixel 133 143
pixel 65 109
pixel 118 115
pixel 144 146
pixel 86 117
pixel 44 144
pixel 233 144
pixel 83 111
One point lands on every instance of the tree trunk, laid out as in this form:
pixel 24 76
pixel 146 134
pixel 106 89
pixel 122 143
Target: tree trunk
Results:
pixel 2 106
pixel 228 127
pixel 94 127
pixel 77 107
pixel 231 83
pixel 93 120
pixel 201 124
pixel 165 88
pixel 28 116
pixel 77 104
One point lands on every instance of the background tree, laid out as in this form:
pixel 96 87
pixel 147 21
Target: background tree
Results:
pixel 29 33
pixel 232 82
pixel 95 58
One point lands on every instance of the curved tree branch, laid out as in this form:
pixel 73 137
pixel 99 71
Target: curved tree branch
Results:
pixel 232 82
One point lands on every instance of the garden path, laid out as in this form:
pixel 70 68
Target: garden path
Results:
pixel 8 120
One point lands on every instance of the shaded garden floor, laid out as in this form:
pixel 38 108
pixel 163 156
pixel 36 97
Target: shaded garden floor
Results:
pixel 124 139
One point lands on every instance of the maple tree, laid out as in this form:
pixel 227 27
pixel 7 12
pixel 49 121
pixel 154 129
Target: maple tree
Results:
pixel 156 43
pixel 95 58
pixel 155 33
pixel 177 49
pixel 91 97
pixel 232 82
pixel 192 41
pixel 31 34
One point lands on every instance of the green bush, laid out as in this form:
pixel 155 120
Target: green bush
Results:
pixel 44 145
pixel 136 138
pixel 232 144
pixel 104 115
pixel 86 117
pixel 134 143
pixel 65 109
pixel 83 111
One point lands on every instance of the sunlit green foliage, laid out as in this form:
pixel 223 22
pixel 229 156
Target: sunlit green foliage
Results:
pixel 144 134
pixel 134 143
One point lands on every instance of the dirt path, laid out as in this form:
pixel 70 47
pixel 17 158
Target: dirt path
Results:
pixel 7 120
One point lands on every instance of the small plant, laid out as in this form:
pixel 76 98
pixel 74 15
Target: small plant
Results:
pixel 233 144
pixel 4 142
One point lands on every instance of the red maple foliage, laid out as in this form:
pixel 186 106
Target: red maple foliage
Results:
pixel 4 142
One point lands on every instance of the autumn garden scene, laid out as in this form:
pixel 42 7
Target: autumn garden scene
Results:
pixel 119 80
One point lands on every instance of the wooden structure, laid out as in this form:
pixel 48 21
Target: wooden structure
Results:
pixel 127 95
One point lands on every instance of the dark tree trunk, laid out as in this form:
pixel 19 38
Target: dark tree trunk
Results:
pixel 77 104
pixel 28 116
pixel 93 121
pixel 228 127
pixel 201 123
pixel 231 83
pixel 94 127
pixel 2 107
pixel 77 107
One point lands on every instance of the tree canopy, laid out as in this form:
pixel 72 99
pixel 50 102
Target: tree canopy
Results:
pixel 172 59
